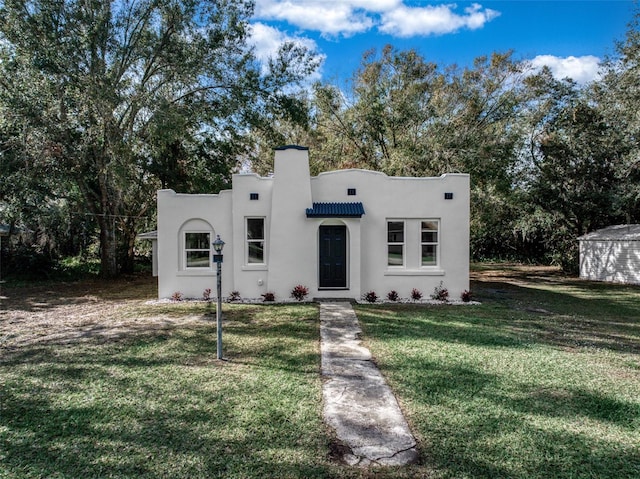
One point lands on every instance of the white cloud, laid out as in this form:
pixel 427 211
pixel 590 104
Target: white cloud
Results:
pixel 349 17
pixel 434 20
pixel 330 18
pixel 267 40
pixel 581 69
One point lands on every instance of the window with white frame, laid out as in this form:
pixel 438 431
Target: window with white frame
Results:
pixel 197 250
pixel 255 241
pixel 395 243
pixel 429 235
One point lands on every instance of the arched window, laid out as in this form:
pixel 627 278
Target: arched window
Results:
pixel 195 240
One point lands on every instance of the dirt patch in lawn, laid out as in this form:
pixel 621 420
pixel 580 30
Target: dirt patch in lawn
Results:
pixel 60 313
pixel 587 314
pixel 516 273
pixel 560 309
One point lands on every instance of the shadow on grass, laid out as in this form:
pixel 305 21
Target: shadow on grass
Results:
pixel 46 296
pixel 503 446
pixel 568 402
pixel 478 424
pixel 276 344
pixel 436 384
pixel 467 377
pixel 189 441
pixel 162 406
pixel 280 342
pixel 518 316
pixel 576 314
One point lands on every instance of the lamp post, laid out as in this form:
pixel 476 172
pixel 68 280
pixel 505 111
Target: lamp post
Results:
pixel 218 244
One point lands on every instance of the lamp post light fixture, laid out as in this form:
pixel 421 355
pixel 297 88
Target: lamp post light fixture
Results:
pixel 218 244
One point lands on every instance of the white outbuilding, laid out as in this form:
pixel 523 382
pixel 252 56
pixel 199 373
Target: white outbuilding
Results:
pixel 611 254
pixel 340 234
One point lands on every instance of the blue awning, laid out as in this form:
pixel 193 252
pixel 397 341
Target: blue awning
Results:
pixel 335 210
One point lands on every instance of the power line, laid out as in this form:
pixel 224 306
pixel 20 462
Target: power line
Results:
pixel 105 215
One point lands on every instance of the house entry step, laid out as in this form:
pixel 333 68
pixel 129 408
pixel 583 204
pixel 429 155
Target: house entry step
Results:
pixel 334 300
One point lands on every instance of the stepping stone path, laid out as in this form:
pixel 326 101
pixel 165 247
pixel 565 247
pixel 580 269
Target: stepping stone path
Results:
pixel 358 403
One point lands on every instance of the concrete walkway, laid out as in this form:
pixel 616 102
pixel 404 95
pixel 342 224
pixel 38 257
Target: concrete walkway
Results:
pixel 358 403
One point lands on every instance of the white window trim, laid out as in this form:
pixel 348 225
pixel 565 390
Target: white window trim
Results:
pixel 255 266
pixel 185 266
pixel 431 271
pixel 437 243
pixel 403 243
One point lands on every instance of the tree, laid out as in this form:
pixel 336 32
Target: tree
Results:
pixel 406 116
pixel 569 183
pixel 618 98
pixel 120 98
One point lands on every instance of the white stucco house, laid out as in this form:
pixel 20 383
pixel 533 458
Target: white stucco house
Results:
pixel 340 234
pixel 611 254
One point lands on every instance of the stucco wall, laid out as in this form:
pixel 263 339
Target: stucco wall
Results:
pixel 180 212
pixel 250 280
pixel 607 260
pixel 410 200
pixel 291 259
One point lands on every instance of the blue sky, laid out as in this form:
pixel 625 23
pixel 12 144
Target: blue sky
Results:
pixel 570 36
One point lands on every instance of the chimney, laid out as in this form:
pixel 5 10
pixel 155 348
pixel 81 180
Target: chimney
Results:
pixel 290 235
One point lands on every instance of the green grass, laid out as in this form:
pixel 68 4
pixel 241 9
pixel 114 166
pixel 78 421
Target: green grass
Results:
pixel 540 381
pixel 158 403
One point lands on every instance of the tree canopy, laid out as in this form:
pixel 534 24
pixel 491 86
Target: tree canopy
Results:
pixel 109 101
pixel 102 103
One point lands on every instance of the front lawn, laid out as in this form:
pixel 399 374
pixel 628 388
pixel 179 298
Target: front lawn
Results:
pixel 540 381
pixel 155 403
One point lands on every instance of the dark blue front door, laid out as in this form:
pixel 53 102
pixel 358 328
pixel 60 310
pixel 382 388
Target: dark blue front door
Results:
pixel 333 256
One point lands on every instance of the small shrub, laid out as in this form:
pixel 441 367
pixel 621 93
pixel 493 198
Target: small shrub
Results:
pixel 77 267
pixel 234 296
pixel 416 294
pixel 371 297
pixel 268 297
pixel 393 295
pixel 177 296
pixel 299 292
pixel 206 294
pixel 440 293
pixel 28 262
pixel 466 296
